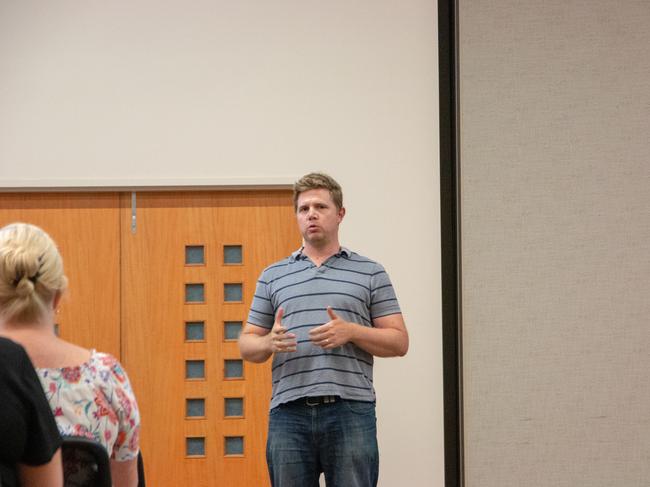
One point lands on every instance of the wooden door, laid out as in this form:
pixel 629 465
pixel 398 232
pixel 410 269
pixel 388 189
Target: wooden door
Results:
pixel 86 229
pixel 204 411
pixel 133 294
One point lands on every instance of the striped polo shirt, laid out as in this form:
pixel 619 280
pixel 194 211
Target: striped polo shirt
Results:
pixel 356 288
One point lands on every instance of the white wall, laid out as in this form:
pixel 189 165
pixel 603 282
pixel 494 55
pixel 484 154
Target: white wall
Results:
pixel 555 217
pixel 145 93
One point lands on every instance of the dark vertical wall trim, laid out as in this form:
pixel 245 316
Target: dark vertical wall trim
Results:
pixel 450 242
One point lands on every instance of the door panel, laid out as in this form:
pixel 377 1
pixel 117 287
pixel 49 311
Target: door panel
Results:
pixel 155 311
pixel 86 229
pixel 127 296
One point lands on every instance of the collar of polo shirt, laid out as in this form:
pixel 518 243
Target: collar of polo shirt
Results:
pixel 298 255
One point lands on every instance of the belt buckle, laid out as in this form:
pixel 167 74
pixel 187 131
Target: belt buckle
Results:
pixel 316 400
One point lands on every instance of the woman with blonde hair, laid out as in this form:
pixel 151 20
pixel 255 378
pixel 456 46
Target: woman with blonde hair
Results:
pixel 88 392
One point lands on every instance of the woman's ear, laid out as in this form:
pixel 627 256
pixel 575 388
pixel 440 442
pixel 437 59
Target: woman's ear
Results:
pixel 57 300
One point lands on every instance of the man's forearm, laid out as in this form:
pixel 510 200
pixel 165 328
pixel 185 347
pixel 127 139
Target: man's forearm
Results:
pixel 386 338
pixel 380 342
pixel 254 348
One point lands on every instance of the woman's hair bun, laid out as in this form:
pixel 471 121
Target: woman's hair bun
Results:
pixel 31 272
pixel 25 287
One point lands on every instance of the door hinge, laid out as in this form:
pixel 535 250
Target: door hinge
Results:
pixel 133 213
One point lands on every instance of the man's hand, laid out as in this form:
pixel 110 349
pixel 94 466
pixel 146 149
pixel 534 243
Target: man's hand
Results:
pixel 332 334
pixel 280 340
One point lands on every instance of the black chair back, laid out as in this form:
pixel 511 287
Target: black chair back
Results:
pixel 85 463
pixel 140 470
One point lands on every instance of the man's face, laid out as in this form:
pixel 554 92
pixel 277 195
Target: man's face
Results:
pixel 318 217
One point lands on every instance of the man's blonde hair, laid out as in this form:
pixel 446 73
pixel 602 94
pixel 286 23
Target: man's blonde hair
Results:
pixel 318 180
pixel 31 272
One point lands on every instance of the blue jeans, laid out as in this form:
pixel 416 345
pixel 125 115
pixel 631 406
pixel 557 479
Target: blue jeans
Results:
pixel 338 439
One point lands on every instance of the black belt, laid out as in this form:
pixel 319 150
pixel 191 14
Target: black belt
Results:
pixel 318 400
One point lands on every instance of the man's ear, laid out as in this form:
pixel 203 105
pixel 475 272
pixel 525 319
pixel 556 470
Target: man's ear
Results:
pixel 341 213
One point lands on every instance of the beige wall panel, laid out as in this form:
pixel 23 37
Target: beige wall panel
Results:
pixel 555 104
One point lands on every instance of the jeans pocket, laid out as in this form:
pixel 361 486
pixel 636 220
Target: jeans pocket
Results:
pixel 276 410
pixel 360 407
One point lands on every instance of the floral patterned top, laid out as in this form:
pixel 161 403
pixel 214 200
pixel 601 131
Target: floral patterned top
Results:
pixel 95 400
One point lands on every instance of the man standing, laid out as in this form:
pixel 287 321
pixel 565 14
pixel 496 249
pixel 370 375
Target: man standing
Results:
pixel 323 313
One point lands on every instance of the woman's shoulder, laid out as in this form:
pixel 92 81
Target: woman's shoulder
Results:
pixel 103 359
pixel 107 367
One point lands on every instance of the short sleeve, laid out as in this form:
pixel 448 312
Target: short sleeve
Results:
pixel 261 311
pixel 383 301
pixel 122 399
pixel 43 437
